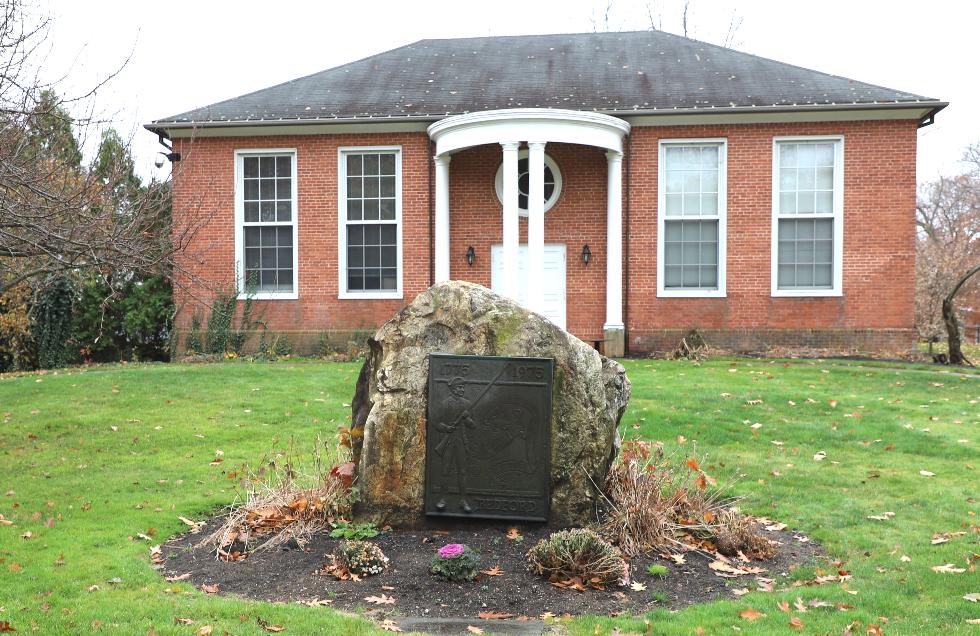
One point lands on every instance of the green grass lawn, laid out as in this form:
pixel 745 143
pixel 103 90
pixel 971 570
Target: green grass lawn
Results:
pixel 93 458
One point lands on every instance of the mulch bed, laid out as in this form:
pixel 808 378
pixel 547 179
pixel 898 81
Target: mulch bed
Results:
pixel 288 575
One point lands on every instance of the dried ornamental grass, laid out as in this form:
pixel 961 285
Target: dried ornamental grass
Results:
pixel 659 503
pixel 276 508
pixel 578 553
pixel 738 533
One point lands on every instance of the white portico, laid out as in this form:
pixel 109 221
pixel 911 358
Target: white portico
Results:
pixel 536 127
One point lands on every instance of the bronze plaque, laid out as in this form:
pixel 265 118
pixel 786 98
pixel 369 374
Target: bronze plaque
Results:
pixel 488 441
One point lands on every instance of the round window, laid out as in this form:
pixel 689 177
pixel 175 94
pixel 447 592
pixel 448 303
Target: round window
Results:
pixel 552 183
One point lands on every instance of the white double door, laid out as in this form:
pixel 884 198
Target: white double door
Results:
pixel 553 285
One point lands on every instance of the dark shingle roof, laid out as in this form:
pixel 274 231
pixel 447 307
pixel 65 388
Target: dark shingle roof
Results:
pixel 616 73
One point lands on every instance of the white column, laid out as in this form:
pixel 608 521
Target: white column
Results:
pixel 535 225
pixel 511 236
pixel 442 218
pixel 614 241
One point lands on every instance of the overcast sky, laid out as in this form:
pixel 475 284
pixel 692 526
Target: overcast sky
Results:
pixel 185 54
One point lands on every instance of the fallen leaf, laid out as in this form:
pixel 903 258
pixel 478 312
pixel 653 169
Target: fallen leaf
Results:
pixel 885 516
pixel 389 625
pixel 494 616
pixel 783 605
pixel 546 616
pixel 973 597
pixel 269 627
pixel 183 621
pixel 693 464
pixel 947 568
pixel 637 586
pixel 473 630
pixel 751 614
pixel 796 623
pixel 799 605
pixel 384 599
pixel 204 630
pixel 209 588
pixel 819 456
pixel 494 571
pixel 513 534
pixel 181 577
pixel 926 473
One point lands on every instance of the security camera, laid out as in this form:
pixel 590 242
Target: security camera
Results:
pixel 158 162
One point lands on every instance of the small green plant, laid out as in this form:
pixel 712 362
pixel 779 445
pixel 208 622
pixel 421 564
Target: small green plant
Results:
pixel 657 570
pixel 659 597
pixel 323 347
pixel 194 343
pixel 580 553
pixel 361 557
pixel 353 531
pixel 282 346
pixel 455 562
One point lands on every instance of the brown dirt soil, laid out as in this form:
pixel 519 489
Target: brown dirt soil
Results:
pixel 287 574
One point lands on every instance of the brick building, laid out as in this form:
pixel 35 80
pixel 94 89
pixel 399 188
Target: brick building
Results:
pixel 629 186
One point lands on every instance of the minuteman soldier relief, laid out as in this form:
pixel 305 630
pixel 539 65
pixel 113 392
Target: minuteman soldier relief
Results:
pixel 488 437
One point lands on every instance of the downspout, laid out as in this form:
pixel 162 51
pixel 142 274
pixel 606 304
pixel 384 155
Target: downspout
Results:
pixel 432 221
pixel 626 252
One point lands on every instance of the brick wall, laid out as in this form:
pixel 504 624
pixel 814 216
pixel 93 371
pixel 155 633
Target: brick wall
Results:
pixel 875 312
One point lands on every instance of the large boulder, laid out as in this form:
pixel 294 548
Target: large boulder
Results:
pixel 389 408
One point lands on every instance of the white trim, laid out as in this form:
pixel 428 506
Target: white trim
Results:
pixel 270 129
pixel 614 241
pixel 239 155
pixel 526 124
pixel 837 216
pixel 498 182
pixel 721 217
pixel 342 292
pixel 668 118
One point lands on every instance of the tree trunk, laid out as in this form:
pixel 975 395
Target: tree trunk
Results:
pixel 952 326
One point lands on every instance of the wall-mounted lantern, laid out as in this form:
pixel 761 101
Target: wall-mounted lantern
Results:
pixel 586 254
pixel 470 256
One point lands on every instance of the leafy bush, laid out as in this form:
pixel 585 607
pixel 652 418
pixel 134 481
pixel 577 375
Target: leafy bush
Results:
pixel 578 553
pixel 17 351
pixel 128 320
pixel 455 562
pixel 344 529
pixel 194 343
pixel 361 557
pixel 217 337
pixel 51 323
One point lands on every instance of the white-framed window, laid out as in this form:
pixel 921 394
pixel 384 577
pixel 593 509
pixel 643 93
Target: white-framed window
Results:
pixel 266 245
pixel 808 216
pixel 691 218
pixel 552 182
pixel 370 222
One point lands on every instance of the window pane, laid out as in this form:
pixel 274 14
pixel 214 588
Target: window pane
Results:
pixel 251 189
pixel 372 235
pixel 355 256
pixel 387 209
pixel 787 203
pixel 285 237
pixel 672 276
pixel 825 202
pixel 674 204
pixel 372 256
pixel 389 254
pixel 388 164
pixel 387 186
pixel 284 189
pixel 709 204
pixel 267 189
pixel 825 178
pixel 251 212
pixel 389 279
pixel 371 186
pixel 824 154
pixel 354 211
pixel 252 236
pixel 692 204
pixel 355 280
pixel 371 165
pixel 251 165
pixel 353 165
pixel 251 257
pixel 284 166
pixel 268 211
pixel 267 166
pixel 823 276
pixel 388 234
pixel 354 189
pixel 370 209
pixel 284 211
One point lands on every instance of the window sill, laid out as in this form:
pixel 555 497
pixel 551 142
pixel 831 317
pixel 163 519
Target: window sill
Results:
pixel 806 293
pixel 370 295
pixel 691 293
pixel 269 296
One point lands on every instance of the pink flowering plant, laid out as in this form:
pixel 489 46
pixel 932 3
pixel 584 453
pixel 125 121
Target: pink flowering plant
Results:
pixel 455 562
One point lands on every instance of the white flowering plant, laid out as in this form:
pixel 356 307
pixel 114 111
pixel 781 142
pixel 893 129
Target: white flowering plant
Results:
pixel 361 557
